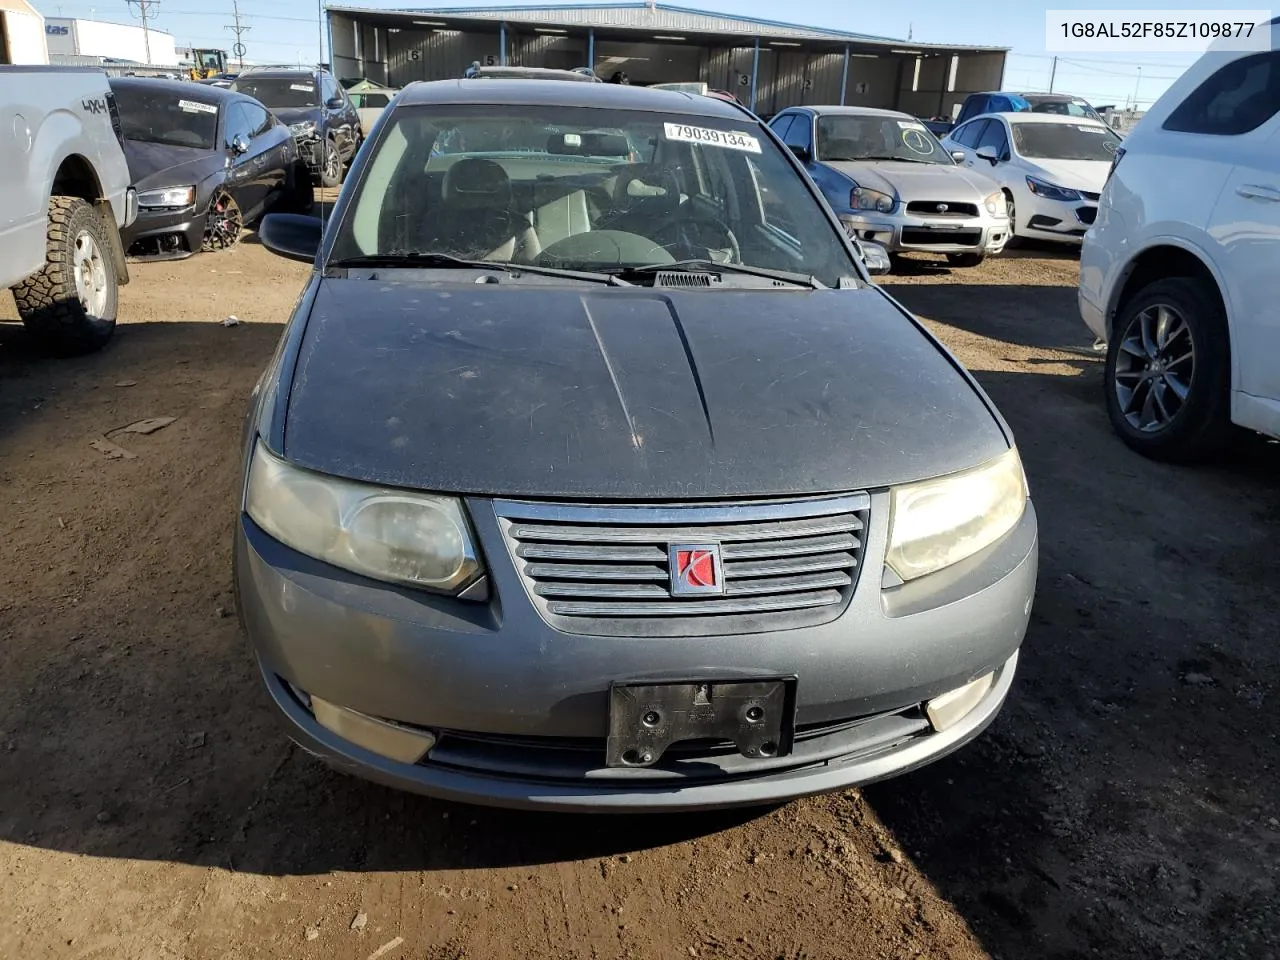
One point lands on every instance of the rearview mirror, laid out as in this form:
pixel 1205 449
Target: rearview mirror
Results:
pixel 240 144
pixel 988 154
pixel 291 235
pixel 958 156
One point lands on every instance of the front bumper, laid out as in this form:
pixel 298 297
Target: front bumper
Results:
pixel 520 708
pixel 164 234
pixel 309 151
pixel 1065 221
pixel 901 232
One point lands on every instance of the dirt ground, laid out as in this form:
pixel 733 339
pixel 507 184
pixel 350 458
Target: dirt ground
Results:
pixel 1125 804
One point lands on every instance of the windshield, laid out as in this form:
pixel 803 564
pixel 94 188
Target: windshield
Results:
pixel 156 116
pixel 1066 108
pixel 586 189
pixel 1064 141
pixel 877 138
pixel 279 92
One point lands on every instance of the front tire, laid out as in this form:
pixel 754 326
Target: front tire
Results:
pixel 330 164
pixel 70 304
pixel 1168 372
pixel 1014 239
pixel 965 259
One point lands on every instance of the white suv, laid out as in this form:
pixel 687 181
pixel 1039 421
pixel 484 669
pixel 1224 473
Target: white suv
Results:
pixel 1181 271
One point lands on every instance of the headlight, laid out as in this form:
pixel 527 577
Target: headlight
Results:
pixel 939 522
pixel 995 204
pixel 304 128
pixel 1050 191
pixel 168 197
pixel 395 535
pixel 861 198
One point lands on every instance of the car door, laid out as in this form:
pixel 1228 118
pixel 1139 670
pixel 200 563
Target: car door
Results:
pixel 1241 112
pixel 267 152
pixel 242 173
pixel 995 137
pixel 341 117
pixel 965 139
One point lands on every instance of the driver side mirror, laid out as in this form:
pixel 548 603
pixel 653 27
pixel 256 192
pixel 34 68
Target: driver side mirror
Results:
pixel 333 103
pixel 803 154
pixel 988 154
pixel 240 144
pixel 874 257
pixel 959 156
pixel 292 235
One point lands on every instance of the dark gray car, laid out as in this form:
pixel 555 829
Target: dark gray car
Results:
pixel 585 479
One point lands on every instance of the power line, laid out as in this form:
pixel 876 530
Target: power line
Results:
pixel 239 30
pixel 145 13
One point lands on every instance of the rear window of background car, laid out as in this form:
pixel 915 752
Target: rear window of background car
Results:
pixel 1240 97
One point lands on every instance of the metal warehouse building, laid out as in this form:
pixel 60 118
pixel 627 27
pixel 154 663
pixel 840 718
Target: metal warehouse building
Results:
pixel 768 65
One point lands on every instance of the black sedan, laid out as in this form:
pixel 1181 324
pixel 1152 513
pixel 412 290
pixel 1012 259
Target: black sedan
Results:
pixel 205 161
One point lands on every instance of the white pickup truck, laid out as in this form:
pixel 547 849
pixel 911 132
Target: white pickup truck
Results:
pixel 64 196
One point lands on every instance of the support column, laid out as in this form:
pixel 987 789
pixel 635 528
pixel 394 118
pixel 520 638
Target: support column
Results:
pixel 591 49
pixel 502 44
pixel 755 72
pixel 844 75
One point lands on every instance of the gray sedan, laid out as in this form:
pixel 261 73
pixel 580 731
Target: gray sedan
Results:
pixel 584 480
pixel 891 182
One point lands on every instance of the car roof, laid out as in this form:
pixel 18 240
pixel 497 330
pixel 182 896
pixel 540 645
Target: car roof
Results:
pixel 531 73
pixel 1023 116
pixel 568 93
pixel 199 92
pixel 279 72
pixel 834 110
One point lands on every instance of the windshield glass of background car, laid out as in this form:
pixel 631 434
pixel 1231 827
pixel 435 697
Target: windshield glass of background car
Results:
pixel 586 189
pixel 1064 141
pixel 280 92
pixel 877 138
pixel 1066 108
pixel 153 116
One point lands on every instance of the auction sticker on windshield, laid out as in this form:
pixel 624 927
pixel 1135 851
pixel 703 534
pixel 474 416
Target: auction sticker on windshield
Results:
pixel 190 106
pixel 303 87
pixel 910 125
pixel 714 138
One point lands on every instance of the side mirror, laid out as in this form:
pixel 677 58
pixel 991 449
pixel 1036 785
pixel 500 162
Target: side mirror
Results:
pixel 333 103
pixel 291 235
pixel 988 154
pixel 240 144
pixel 874 257
pixel 803 154
pixel 959 156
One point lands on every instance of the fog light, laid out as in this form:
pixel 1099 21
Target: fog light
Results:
pixel 954 705
pixel 386 739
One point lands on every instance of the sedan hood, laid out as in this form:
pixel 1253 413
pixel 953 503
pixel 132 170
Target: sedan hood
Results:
pixel 918 181
pixel 155 165
pixel 1074 174
pixel 521 390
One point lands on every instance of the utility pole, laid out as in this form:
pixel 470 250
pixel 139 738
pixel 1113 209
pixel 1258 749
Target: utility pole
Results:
pixel 146 12
pixel 238 30
pixel 1137 83
pixel 1053 73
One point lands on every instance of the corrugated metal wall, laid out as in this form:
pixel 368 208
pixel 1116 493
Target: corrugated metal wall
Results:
pixel 435 55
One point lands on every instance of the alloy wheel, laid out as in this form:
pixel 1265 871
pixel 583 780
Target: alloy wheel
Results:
pixel 223 224
pixel 1154 368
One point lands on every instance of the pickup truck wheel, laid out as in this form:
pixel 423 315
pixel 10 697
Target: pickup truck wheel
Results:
pixel 70 304
pixel 330 164
pixel 965 259
pixel 1168 372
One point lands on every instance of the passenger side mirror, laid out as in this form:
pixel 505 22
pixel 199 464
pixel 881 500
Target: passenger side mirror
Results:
pixel 874 257
pixel 291 235
pixel 333 103
pixel 988 154
pixel 240 144
pixel 959 156
pixel 803 154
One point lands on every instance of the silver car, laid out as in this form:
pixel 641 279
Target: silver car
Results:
pixel 890 181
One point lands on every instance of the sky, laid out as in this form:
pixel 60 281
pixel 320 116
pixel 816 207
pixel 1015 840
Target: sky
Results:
pixel 287 31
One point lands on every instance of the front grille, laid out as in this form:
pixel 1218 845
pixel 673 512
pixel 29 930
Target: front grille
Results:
pixel 929 208
pixel 605 570
pixel 955 238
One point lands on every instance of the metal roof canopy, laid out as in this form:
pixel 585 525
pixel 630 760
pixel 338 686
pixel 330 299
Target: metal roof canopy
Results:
pixel 680 21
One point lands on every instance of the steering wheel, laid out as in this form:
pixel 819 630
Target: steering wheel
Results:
pixel 680 223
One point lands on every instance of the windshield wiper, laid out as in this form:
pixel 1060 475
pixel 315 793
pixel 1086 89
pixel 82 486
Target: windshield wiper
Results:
pixel 712 266
pixel 445 261
pixel 899 159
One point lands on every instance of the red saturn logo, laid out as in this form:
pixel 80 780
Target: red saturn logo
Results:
pixel 695 568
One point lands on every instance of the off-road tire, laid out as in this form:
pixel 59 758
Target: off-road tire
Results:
pixel 48 302
pixel 1202 428
pixel 965 259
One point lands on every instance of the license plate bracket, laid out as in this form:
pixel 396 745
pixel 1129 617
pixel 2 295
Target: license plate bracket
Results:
pixel 757 716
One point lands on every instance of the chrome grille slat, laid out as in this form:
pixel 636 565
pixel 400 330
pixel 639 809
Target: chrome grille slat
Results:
pixel 670 608
pixel 606 569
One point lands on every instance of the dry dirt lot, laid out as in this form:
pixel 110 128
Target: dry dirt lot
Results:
pixel 1125 804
